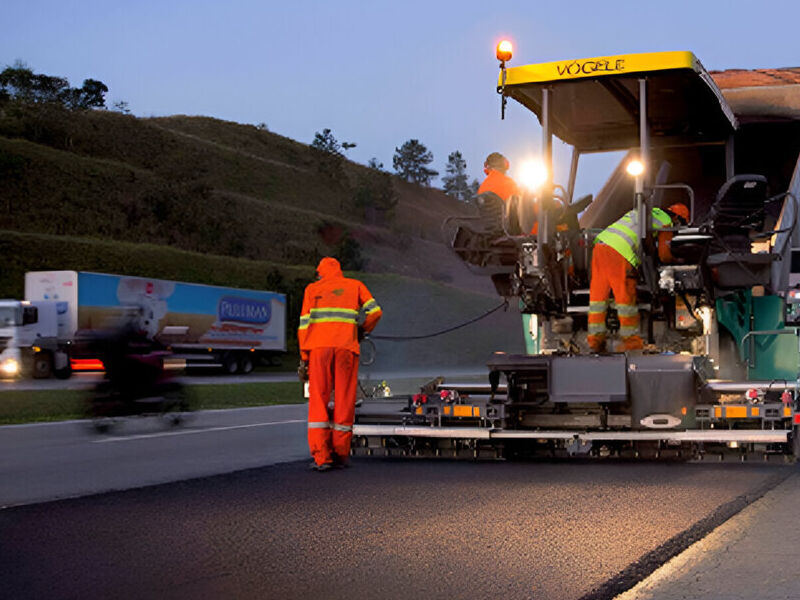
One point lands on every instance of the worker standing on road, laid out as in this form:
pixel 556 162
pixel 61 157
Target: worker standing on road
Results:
pixel 329 337
pixel 615 259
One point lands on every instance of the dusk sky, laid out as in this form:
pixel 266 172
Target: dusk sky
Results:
pixel 375 72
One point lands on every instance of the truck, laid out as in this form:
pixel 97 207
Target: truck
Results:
pixel 719 374
pixel 33 339
pixel 207 326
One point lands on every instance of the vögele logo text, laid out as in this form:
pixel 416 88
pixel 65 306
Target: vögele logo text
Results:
pixel 587 67
pixel 244 310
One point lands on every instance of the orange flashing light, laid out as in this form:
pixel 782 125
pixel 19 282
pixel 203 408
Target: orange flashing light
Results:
pixel 504 51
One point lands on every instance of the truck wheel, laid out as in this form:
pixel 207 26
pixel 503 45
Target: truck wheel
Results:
pixel 42 365
pixel 63 373
pixel 62 368
pixel 245 363
pixel 230 363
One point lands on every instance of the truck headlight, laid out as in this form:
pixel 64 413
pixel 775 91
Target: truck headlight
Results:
pixel 9 367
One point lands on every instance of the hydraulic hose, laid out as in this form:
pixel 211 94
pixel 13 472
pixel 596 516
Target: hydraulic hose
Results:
pixel 405 338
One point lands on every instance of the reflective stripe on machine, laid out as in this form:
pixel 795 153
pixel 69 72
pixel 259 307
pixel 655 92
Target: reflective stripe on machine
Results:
pixel 462 410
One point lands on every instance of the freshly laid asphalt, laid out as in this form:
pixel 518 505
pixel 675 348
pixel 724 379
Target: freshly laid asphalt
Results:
pixel 387 528
pixel 752 555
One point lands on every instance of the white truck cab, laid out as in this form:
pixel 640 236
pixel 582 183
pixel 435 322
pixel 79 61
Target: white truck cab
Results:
pixel 30 340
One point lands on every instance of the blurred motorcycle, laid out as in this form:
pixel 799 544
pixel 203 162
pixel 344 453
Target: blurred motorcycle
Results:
pixel 137 383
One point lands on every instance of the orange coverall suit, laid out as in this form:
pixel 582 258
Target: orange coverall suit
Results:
pixel 328 336
pixel 614 261
pixel 499 183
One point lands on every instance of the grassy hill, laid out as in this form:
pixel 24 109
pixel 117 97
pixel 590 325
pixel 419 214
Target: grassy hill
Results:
pixel 199 199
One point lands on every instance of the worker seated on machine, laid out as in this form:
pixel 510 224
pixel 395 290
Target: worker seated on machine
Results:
pixel 496 194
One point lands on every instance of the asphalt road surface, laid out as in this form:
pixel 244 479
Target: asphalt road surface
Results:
pixel 385 528
pixel 48 461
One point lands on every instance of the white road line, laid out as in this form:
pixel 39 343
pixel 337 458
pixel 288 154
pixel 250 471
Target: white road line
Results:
pixel 145 436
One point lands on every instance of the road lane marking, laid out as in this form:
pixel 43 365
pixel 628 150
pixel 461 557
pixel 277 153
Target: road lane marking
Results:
pixel 145 436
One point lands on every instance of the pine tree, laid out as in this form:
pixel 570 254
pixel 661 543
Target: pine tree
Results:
pixel 410 162
pixel 472 190
pixel 455 182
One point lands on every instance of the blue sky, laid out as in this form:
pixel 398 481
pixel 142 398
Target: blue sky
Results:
pixel 376 72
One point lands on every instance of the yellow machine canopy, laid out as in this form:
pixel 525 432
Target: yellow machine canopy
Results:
pixel 595 104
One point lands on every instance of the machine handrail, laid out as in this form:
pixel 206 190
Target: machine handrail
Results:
pixel 751 335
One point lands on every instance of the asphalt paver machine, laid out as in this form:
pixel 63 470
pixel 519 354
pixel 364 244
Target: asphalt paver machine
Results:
pixel 721 322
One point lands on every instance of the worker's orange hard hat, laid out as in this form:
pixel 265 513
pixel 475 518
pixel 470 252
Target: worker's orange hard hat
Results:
pixel 680 210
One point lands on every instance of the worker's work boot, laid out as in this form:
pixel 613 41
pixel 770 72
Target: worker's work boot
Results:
pixel 597 344
pixel 321 468
pixel 340 462
pixel 632 342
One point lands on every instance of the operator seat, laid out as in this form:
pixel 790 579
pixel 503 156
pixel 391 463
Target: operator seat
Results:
pixel 738 213
pixel 484 241
pixel 492 210
pixel 738 209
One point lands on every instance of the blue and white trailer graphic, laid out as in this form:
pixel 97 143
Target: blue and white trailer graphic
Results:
pixel 217 326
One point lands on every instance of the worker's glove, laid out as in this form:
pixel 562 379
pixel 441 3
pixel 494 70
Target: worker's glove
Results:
pixel 302 370
pixel 361 333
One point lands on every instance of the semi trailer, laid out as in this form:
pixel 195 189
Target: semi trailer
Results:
pixel 719 370
pixel 203 325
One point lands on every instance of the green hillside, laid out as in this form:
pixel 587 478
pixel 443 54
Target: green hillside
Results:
pixel 209 201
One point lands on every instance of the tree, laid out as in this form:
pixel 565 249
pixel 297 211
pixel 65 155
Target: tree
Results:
pixel 122 106
pixel 326 142
pixel 410 162
pixel 91 95
pixel 20 83
pixel 472 190
pixel 375 194
pixel 455 182
pixel 375 164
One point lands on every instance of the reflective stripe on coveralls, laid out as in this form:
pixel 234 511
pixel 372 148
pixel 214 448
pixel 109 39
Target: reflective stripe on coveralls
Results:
pixel 615 250
pixel 328 338
pixel 611 273
pixel 331 370
pixel 622 235
pixel 371 307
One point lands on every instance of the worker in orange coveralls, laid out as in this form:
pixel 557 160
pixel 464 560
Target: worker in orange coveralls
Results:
pixel 496 166
pixel 615 257
pixel 329 337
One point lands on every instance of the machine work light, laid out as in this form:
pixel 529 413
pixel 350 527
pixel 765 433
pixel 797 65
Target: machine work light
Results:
pixel 533 174
pixel 635 168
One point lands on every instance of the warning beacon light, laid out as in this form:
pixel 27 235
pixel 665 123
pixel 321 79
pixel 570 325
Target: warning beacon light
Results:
pixel 504 51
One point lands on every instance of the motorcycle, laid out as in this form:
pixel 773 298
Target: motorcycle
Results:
pixel 137 384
